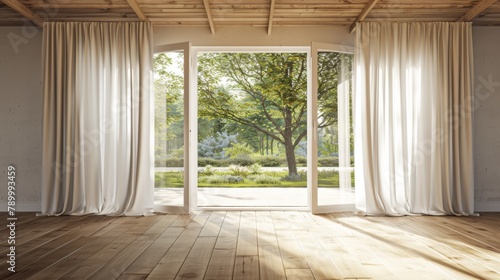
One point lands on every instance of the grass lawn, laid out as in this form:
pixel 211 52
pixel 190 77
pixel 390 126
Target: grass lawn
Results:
pixel 327 179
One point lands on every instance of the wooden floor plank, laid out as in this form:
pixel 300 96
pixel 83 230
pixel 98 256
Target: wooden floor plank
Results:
pixel 320 264
pixel 255 245
pixel 247 236
pixel 467 262
pixel 299 274
pixel 145 263
pixel 147 233
pixel 265 229
pixel 246 268
pixel 62 252
pixel 270 264
pixel 196 263
pixel 392 245
pixel 123 236
pixel 291 253
pixel 170 264
pixel 213 225
pixel 228 236
pixel 33 231
pixel 221 264
pixel 59 244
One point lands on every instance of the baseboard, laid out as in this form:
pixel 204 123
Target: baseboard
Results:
pixel 487 207
pixel 23 206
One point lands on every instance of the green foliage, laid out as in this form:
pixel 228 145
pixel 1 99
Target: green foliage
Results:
pixel 174 162
pixel 255 168
pixel 322 174
pixel 202 161
pixel 270 161
pixel 169 162
pixel 301 160
pixel 264 179
pixel 169 179
pixel 238 150
pixel 238 170
pixel 328 161
pixel 208 170
pixel 299 177
pixel 220 179
pixel 243 160
pixel 260 97
pixel 214 146
pixel 160 162
pixel 263 92
pixel 179 153
pixel 168 102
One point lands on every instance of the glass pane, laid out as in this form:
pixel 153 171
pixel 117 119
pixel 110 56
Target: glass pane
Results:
pixel 252 129
pixel 169 128
pixel 335 134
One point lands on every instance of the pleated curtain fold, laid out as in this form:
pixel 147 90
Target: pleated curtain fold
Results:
pixel 413 118
pixel 97 83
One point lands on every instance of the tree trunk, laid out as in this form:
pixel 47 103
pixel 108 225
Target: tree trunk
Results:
pixel 267 145
pixel 289 147
pixel 261 148
pixel 290 156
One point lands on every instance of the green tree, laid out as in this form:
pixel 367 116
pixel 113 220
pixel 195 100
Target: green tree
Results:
pixel 168 87
pixel 266 92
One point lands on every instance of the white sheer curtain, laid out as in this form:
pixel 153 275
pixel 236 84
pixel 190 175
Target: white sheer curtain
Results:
pixel 96 127
pixel 413 118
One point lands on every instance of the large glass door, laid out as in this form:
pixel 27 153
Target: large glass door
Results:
pixel 172 128
pixel 248 107
pixel 331 148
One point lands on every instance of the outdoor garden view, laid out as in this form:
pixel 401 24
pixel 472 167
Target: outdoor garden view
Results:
pixel 252 120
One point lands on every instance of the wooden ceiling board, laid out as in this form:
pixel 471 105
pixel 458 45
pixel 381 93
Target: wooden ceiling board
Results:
pixel 267 13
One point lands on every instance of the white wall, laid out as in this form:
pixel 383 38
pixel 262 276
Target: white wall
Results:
pixel 487 118
pixel 253 36
pixel 21 114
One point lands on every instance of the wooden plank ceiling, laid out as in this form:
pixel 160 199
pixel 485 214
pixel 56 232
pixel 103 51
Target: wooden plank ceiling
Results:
pixel 260 13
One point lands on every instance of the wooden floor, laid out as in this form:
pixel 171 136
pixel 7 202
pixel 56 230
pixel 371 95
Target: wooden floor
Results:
pixel 254 245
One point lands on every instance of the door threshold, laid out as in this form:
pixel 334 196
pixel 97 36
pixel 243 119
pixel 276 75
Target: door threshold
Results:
pixel 250 208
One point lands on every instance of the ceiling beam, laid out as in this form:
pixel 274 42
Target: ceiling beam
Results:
pixel 368 7
pixel 271 17
pixel 476 10
pixel 25 11
pixel 209 16
pixel 137 9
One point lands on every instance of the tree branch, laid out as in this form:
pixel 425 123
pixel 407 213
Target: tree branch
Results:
pixel 301 135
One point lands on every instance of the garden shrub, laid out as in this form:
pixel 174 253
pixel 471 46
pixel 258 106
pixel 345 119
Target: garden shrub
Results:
pixel 300 177
pixel 220 179
pixel 159 163
pixel 174 162
pixel 208 170
pixel 233 179
pixel 243 160
pixel 301 161
pixel 237 150
pixel 328 161
pixel 264 179
pixel 213 146
pixel 270 161
pixel 208 161
pixel 179 153
pixel 255 168
pixel 238 170
pixel 327 173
